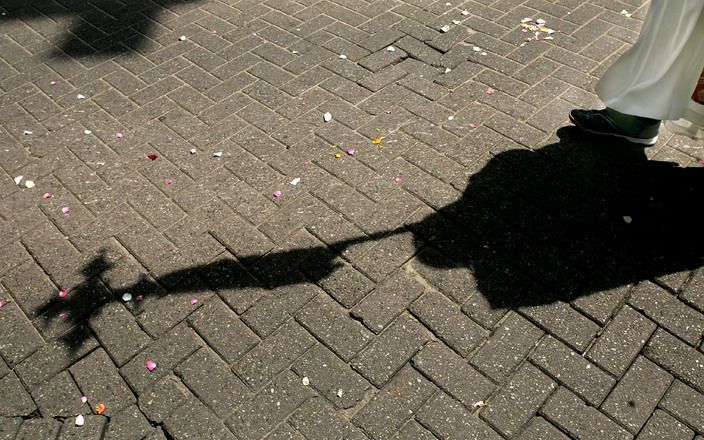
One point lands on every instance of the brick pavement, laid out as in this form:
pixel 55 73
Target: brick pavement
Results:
pixel 441 260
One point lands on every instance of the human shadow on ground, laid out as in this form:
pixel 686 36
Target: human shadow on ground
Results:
pixel 98 27
pixel 570 219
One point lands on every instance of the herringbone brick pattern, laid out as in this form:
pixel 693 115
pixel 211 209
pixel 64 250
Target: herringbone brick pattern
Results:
pixel 440 260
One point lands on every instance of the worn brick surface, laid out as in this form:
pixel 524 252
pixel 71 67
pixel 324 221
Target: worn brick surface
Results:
pixel 480 222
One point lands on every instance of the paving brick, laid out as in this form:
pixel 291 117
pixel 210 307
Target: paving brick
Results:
pixel 621 341
pixel 413 431
pixel 284 432
pixel 9 427
pixel 448 419
pixel 278 306
pixel 601 305
pixel 507 347
pixel 19 338
pixel 167 352
pixel 394 404
pixel 686 404
pixel 272 405
pixel 452 374
pixel 55 356
pixel 274 354
pixel 39 428
pixel 15 400
pixel 92 429
pixel 59 397
pixel 315 419
pixel 662 425
pixel 572 370
pixel 220 327
pixel 581 421
pixel 539 428
pixel 381 359
pixel 98 378
pixel 332 325
pixel 162 398
pixel 194 420
pixel 519 400
pixel 347 285
pixel 232 283
pixel 212 381
pixel 637 394
pixel 129 424
pixel 31 288
pixel 445 319
pixel 391 297
pixel 676 357
pixel 667 311
pixel 693 293
pixel 118 332
pixel 563 322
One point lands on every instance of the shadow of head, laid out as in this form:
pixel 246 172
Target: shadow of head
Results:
pixel 96 27
pixel 573 218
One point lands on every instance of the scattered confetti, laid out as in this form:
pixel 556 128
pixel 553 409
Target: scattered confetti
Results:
pixel 84 399
pixel 100 408
pixel 296 181
pixel 194 301
pixel 627 219
pixel 65 210
pixel 79 96
pixel 150 364
pixel 339 393
pixel 327 117
pixel 391 49
pixel 445 28
pixel 218 154
pixel 18 179
pixel 80 420
pixel 465 12
pixel 480 404
pixel 306 381
pixel 342 57
pixel 118 135
pixel 378 140
pixel 625 13
pixel 127 297
pixel 277 194
pixel 53 82
pixel 397 180
pixel 448 70
pixel 87 132
pixel 338 155
pixel 182 38
pixel 351 151
pixel 29 184
pixel 476 49
pixel 451 117
pixel 63 293
pixel 27 132
pixel 538 28
pixel 456 22
pixel 152 156
pixel 169 181
pixel 193 151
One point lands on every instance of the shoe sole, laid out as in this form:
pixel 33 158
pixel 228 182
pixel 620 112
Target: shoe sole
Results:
pixel 641 141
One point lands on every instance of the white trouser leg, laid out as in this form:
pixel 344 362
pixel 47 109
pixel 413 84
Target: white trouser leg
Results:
pixel 657 75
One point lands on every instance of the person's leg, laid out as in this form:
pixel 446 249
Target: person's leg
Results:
pixel 654 78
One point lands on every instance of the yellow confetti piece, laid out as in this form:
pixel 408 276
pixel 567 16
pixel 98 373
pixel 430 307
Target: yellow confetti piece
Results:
pixel 338 155
pixel 377 140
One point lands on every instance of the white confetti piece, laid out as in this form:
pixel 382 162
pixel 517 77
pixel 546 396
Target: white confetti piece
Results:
pixel 80 420
pixel 193 151
pixel 306 381
pixel 18 179
pixel 218 154
pixel 480 404
pixel 296 181
pixel 477 49
pixel 87 132
pixel 628 219
pixel 339 393
pixel 456 22
pixel 391 49
pixel 127 297
pixel 342 57
pixel 182 38
pixel 448 70
pixel 625 13
pixel 79 96
pixel 445 28
pixel 27 132
pixel 465 12
pixel 327 117
pixel 28 184
pixel 450 118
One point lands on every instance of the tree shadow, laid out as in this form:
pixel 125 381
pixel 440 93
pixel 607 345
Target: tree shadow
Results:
pixel 573 218
pixel 98 27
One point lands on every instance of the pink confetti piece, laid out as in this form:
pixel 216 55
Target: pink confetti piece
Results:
pixel 46 196
pixel 118 135
pixel 84 399
pixel 63 293
pixel 2 303
pixel 53 82
pixel 194 301
pixel 169 181
pixel 65 210
pixel 397 180
pixel 489 91
pixel 150 364
pixel 351 151
pixel 139 298
pixel 472 125
pixel 213 30
pixel 62 315
pixel 277 194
